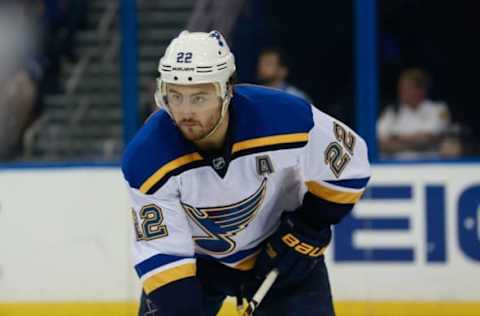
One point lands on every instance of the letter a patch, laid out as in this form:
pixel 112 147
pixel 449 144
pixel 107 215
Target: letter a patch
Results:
pixel 264 165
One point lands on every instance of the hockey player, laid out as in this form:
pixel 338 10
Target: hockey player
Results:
pixel 230 181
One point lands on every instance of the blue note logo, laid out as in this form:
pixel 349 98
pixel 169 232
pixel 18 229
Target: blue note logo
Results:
pixel 218 37
pixel 222 222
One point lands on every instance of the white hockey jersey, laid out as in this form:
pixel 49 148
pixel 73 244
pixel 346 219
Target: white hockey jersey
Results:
pixel 187 204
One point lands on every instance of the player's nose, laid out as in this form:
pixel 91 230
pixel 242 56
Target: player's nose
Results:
pixel 187 110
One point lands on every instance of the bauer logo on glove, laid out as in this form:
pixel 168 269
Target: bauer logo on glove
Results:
pixel 302 247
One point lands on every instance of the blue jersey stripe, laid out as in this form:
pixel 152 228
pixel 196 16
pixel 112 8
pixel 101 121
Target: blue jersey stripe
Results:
pixel 154 262
pixel 350 183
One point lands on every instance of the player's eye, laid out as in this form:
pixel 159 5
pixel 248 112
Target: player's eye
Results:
pixel 198 99
pixel 175 98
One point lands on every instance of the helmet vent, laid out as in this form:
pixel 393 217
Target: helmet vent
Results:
pixel 204 69
pixel 222 66
pixel 166 67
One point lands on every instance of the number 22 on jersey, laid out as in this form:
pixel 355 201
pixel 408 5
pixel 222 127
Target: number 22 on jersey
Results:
pixel 151 226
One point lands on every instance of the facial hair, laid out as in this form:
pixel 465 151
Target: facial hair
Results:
pixel 199 130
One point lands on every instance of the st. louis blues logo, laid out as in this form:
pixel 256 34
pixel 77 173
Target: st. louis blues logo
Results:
pixel 221 223
pixel 218 36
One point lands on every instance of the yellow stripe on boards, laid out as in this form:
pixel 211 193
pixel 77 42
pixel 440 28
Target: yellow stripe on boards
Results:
pixel 388 309
pixel 344 308
pixel 69 309
pixel 407 309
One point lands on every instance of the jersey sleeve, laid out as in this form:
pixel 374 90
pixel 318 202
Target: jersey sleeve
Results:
pixel 163 249
pixel 335 171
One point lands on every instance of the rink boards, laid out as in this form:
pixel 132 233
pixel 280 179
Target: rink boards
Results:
pixel 410 247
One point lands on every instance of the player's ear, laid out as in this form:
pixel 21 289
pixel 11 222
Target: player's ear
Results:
pixel 231 81
pixel 229 89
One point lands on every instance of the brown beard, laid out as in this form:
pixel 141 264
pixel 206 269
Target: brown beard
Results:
pixel 205 129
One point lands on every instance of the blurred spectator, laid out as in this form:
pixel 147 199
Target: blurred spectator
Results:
pixel 20 71
pixel 272 71
pixel 220 15
pixel 18 95
pixel 416 127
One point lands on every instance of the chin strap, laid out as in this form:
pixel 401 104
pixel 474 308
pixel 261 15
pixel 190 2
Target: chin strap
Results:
pixel 225 103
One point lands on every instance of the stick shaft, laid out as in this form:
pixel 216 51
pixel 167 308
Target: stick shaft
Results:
pixel 261 292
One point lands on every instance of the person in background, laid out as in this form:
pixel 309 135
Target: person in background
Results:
pixel 415 127
pixel 220 15
pixel 272 71
pixel 20 73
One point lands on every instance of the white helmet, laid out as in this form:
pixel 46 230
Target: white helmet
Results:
pixel 194 58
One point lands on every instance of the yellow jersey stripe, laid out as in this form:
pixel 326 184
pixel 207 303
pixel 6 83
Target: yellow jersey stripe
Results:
pixel 172 165
pixel 247 264
pixel 162 278
pixel 269 140
pixel 331 195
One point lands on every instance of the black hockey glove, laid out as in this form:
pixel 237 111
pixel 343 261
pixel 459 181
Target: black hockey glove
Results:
pixel 294 249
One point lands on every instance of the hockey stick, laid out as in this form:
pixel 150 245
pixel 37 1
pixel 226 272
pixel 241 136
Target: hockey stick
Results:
pixel 261 292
